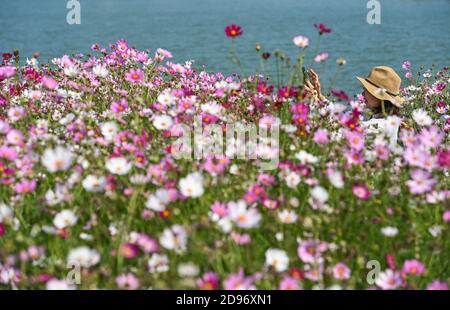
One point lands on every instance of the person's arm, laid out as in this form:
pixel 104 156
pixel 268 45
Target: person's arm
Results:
pixel 312 86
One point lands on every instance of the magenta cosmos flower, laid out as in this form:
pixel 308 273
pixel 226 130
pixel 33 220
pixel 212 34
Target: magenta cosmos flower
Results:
pixel 2 229
pixel 361 191
pixel 233 31
pixel 209 281
pixel 322 28
pixel 134 76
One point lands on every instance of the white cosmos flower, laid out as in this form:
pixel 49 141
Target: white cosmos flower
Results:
pixel 306 158
pixel 162 122
pixel 118 165
pixel 320 194
pixel 83 256
pixel 192 185
pixel 277 259
pixel 174 238
pixel 212 108
pixel 65 218
pixel 287 217
pixel 6 213
pixel 243 217
pixel 188 270
pixel 58 159
pixel 158 263
pixel 292 180
pixel 58 285
pixel 71 71
pixel 301 41
pixel 153 203
pixel 389 280
pixel 166 98
pixel 93 183
pixel 389 231
pixel 422 118
pixel 109 130
pixel 100 71
pixel 336 179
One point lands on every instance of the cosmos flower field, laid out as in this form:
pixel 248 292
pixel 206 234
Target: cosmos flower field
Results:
pixel 89 181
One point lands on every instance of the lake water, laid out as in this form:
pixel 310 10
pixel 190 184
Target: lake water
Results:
pixel 417 30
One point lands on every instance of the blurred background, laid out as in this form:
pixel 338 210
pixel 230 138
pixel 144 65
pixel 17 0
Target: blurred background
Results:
pixel 415 30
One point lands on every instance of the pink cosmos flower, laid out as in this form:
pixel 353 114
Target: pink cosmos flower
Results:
pixel 382 151
pixel 8 153
pixel 49 83
pixel 134 76
pixel 421 182
pixel 431 136
pixel 164 53
pixel 341 271
pixel 415 156
pixel 221 209
pixel 310 251
pixel 7 72
pixel 15 137
pixel 266 179
pixel 16 113
pixel 289 283
pixel 413 267
pixel 216 164
pixel 437 285
pixel 271 204
pixel 408 75
pixel 119 106
pixel 321 136
pixel 146 243
pixel 209 281
pixel 353 157
pixel 25 186
pixel 361 191
pixel 127 281
pixel 240 239
pixel 238 281
pixel 299 108
pixel 355 140
pixel 446 216
pixel 406 65
pixel 321 57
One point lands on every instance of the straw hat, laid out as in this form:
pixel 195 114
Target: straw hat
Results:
pixel 384 84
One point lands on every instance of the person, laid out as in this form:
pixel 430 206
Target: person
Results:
pixel 381 91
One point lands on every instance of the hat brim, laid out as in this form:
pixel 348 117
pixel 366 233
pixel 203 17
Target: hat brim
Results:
pixel 375 91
